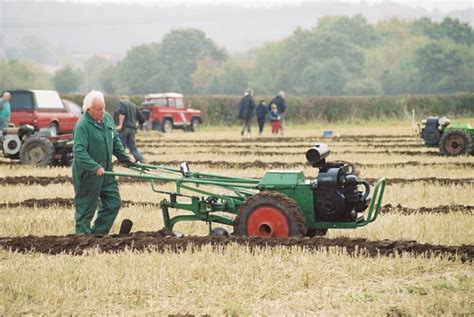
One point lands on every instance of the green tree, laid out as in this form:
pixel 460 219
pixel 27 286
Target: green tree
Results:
pixel 67 79
pixel 22 74
pixel 139 68
pixel 179 53
pixel 93 70
pixel 356 28
pixel 436 61
pixel 231 78
pixel 324 79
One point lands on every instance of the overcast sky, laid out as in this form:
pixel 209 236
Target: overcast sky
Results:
pixel 442 5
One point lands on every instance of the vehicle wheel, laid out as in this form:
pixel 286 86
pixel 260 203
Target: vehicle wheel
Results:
pixel 54 128
pixel 37 151
pixel 270 214
pixel 455 142
pixel 317 232
pixel 167 126
pixel 195 125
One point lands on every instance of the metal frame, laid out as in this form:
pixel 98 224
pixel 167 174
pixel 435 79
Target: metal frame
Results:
pixel 201 207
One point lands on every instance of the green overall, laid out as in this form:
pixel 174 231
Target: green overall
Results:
pixel 94 145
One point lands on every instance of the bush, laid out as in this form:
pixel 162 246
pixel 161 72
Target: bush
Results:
pixel 223 109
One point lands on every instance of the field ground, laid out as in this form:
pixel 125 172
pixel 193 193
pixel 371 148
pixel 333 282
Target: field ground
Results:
pixel 428 198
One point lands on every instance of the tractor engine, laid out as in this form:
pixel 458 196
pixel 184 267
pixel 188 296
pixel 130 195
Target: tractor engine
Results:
pixel 337 192
pixel 433 128
pixel 13 138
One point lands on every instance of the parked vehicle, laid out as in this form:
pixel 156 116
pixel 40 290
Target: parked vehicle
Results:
pixel 167 111
pixel 41 109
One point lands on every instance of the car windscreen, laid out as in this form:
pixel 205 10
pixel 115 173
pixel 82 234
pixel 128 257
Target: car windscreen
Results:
pixel 72 107
pixel 179 103
pixel 48 99
pixel 21 100
pixel 155 102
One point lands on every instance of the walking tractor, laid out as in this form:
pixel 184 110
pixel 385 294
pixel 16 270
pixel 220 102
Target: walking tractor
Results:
pixel 280 204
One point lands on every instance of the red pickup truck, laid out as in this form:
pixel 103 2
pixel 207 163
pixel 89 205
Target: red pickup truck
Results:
pixel 166 111
pixel 41 109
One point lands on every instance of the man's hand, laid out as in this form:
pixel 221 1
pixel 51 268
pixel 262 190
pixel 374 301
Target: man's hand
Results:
pixel 128 163
pixel 100 172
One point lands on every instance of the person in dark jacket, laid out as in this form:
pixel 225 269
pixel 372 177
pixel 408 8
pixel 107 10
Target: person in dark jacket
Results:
pixel 246 111
pixel 261 113
pixel 95 141
pixel 280 102
pixel 128 116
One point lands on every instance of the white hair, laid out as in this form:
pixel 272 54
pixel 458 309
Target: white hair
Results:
pixel 281 93
pixel 90 97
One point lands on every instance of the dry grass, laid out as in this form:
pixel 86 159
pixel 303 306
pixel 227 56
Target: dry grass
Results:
pixel 235 281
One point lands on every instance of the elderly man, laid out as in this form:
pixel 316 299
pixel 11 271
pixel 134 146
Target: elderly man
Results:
pixel 95 141
pixel 5 111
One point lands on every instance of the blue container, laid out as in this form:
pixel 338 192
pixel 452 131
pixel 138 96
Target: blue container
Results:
pixel 327 133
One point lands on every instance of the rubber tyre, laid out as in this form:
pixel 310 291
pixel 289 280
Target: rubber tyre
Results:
pixel 37 151
pixel 195 125
pixel 270 214
pixel 167 126
pixel 455 142
pixel 54 127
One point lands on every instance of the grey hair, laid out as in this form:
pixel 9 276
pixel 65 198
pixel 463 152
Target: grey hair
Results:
pixel 89 99
pixel 281 93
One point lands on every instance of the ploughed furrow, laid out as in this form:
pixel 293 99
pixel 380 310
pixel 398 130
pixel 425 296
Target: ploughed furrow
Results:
pixel 293 153
pixel 291 145
pixel 299 165
pixel 164 240
pixel 46 180
pixel 349 138
pixel 386 209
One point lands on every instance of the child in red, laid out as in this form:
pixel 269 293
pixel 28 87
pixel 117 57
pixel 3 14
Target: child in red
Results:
pixel 275 119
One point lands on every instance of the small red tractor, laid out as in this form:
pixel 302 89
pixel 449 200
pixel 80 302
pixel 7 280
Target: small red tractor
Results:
pixel 165 112
pixel 40 148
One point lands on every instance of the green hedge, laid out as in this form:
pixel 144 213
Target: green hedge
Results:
pixel 223 109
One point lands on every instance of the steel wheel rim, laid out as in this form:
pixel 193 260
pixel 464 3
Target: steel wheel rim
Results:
pixel 268 221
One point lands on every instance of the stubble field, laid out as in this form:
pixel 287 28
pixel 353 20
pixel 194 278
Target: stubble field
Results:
pixel 416 259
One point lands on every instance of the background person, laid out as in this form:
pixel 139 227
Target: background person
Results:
pixel 5 111
pixel 280 102
pixel 128 116
pixel 95 141
pixel 275 118
pixel 261 113
pixel 246 111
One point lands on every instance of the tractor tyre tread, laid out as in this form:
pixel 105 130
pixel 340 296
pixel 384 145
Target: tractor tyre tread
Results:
pixel 469 144
pixel 292 211
pixel 48 147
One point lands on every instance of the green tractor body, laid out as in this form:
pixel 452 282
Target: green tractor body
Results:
pixel 452 139
pixel 280 204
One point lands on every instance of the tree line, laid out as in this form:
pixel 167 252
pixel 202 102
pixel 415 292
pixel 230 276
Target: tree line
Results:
pixel 339 56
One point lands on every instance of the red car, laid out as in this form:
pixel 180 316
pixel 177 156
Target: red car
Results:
pixel 41 109
pixel 166 111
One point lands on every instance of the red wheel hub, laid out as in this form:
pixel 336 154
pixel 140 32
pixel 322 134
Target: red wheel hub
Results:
pixel 267 221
